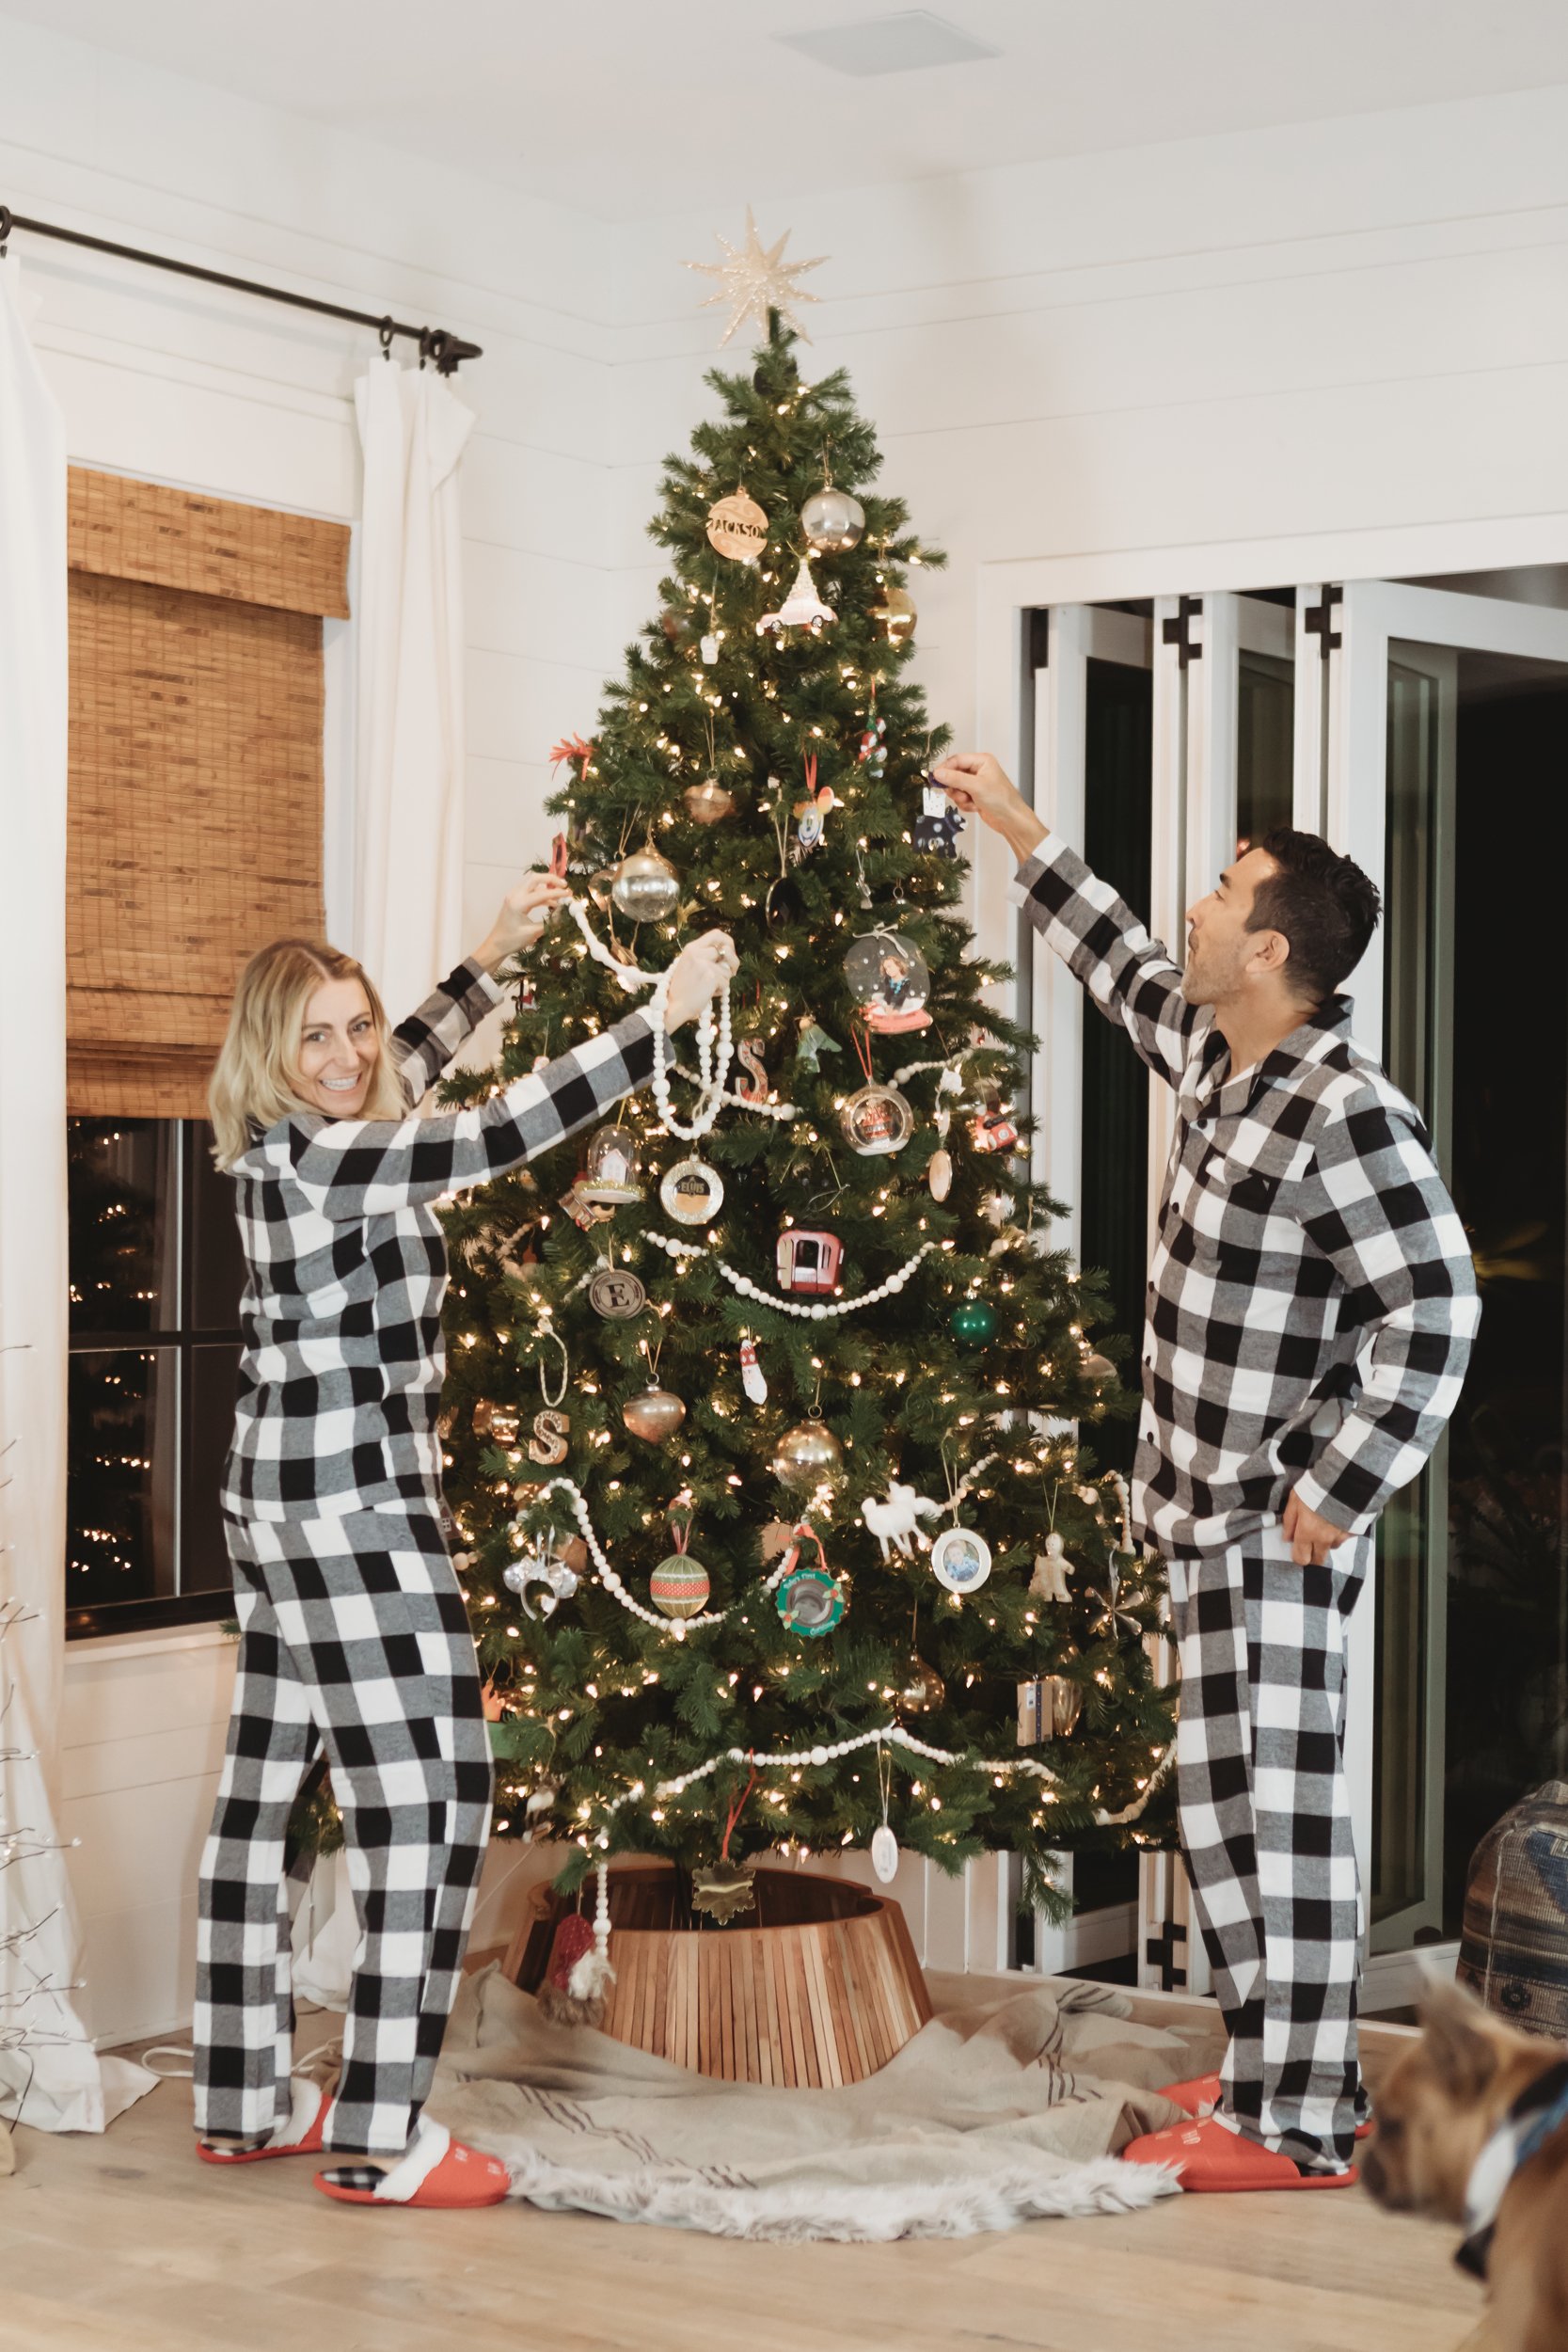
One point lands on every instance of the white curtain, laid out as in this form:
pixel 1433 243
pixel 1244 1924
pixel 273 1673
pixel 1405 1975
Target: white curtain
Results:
pixel 408 697
pixel 49 2074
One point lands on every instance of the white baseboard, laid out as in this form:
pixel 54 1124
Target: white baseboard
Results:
pixel 1397 1979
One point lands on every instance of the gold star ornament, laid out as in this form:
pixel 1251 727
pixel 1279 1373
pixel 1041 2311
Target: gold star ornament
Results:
pixel 754 279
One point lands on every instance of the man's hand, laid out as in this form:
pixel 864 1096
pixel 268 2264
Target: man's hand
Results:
pixel 1312 1536
pixel 975 781
pixel 521 918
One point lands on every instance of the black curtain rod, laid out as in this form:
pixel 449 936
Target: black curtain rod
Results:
pixel 444 350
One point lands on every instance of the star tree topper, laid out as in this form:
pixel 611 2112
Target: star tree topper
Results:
pixel 754 280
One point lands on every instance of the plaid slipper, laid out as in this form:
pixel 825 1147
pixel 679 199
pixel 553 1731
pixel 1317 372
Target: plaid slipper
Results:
pixel 438 2174
pixel 300 2136
pixel 1201 2096
pixel 1211 2160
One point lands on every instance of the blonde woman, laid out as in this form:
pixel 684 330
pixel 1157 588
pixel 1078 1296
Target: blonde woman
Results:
pixel 353 1640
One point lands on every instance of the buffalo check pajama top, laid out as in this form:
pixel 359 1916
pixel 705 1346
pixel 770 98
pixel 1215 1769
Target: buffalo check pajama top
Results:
pixel 354 1641
pixel 1310 1309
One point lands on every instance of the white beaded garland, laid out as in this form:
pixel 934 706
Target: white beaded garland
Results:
pixel 748 1289
pixel 681 1627
pixel 892 1735
pixel 713 1068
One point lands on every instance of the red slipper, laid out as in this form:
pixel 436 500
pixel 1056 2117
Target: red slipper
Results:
pixel 1211 2160
pixel 438 2174
pixel 1201 2096
pixel 308 2144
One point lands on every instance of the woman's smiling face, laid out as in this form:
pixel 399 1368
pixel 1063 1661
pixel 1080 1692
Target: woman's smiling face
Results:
pixel 338 1050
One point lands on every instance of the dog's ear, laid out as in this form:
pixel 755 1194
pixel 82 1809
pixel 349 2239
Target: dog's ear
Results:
pixel 1462 2051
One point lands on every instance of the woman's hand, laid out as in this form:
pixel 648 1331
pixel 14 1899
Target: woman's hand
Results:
pixel 521 918
pixel 698 972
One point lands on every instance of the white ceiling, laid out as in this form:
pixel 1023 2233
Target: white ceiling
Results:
pixel 627 108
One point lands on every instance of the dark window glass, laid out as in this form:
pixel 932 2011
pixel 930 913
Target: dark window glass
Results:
pixel 1114 1189
pixel 156 1280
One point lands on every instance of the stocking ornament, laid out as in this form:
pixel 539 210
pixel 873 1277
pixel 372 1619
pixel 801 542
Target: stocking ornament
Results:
pixel 752 1378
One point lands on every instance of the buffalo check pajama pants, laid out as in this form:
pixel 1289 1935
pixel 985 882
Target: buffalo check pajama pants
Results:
pixel 355 1644
pixel 1266 1827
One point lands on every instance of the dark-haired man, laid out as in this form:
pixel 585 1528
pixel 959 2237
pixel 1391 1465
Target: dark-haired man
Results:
pixel 1310 1311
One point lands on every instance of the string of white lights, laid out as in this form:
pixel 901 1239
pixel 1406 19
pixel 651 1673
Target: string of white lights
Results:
pixel 817 1313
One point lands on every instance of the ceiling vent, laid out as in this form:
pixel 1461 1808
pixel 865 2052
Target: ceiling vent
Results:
pixel 888 45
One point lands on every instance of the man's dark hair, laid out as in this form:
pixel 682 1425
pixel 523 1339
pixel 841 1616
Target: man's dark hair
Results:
pixel 1323 903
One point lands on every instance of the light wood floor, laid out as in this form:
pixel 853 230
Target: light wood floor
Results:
pixel 126 2244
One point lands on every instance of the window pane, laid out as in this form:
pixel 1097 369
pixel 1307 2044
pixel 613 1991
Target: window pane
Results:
pixel 211 1381
pixel 120 1475
pixel 217 1262
pixel 1113 1182
pixel 1265 745
pixel 123 1225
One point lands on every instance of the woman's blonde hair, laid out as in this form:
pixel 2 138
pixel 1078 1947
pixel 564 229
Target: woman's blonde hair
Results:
pixel 255 1079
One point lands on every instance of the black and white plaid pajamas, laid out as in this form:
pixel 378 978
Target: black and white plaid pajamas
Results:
pixel 1311 1307
pixel 353 1640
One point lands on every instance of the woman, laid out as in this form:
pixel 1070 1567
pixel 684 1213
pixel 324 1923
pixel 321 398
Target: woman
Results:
pixel 354 1639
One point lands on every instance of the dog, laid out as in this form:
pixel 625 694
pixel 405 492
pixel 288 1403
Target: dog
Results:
pixel 1472 2126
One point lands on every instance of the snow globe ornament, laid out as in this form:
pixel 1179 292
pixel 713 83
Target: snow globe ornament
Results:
pixel 889 980
pixel 692 1192
pixel 833 521
pixel 610 1178
pixel 646 888
pixel 877 1120
pixel 960 1560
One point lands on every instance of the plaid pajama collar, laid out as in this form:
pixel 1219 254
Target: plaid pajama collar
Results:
pixel 1311 1300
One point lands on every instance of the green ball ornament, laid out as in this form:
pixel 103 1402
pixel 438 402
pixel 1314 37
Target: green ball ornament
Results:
pixel 972 1321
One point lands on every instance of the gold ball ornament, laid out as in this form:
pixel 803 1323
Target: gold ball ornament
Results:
pixel 807 1454
pixel 737 528
pixel 893 617
pixel 923 1691
pixel 654 1416
pixel 706 802
pixel 646 888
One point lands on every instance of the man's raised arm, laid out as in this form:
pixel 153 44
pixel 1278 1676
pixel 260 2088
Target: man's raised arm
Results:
pixel 1128 975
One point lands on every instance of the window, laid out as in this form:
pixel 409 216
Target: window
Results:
pixel 155 1279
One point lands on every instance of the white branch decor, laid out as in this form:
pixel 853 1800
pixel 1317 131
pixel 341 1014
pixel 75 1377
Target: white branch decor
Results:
pixel 714 1068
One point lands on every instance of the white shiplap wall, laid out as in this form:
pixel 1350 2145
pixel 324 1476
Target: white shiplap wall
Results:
pixel 1081 371
pixel 187 384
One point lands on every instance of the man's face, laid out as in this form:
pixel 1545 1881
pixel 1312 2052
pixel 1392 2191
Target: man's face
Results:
pixel 1221 951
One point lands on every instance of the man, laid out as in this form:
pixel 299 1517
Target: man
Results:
pixel 1311 1307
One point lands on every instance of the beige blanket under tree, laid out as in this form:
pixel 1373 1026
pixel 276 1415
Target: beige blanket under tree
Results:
pixel 1008 2105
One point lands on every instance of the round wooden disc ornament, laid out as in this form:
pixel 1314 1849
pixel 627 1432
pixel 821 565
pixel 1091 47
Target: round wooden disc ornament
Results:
pixel 617 1295
pixel 737 528
pixel 692 1192
pixel 960 1560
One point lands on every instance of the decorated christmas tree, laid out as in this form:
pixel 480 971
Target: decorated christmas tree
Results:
pixel 771 1412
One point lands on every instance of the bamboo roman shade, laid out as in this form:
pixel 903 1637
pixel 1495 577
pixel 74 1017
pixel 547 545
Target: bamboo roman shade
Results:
pixel 195 817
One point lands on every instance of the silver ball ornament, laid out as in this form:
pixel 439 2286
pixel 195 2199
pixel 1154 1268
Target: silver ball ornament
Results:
pixel 646 888
pixel 833 521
